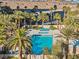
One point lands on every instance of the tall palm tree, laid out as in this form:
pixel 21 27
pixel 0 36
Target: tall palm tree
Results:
pixel 43 17
pixel 45 52
pixel 57 17
pixel 19 40
pixel 2 36
pixel 30 17
pixel 26 16
pixel 51 12
pixel 75 36
pixel 33 17
pixel 66 34
pixel 51 9
pixel 1 4
pixel 18 16
pixel 67 11
pixel 5 31
pixel 73 22
pixel 77 6
pixel 2 27
pixel 57 51
pixel 19 34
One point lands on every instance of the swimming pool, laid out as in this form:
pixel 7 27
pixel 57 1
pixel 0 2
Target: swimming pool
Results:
pixel 39 42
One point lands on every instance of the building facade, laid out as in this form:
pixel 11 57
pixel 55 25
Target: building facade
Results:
pixel 42 4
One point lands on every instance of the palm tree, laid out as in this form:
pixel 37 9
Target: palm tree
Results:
pixel 43 17
pixel 30 17
pixel 33 17
pixel 2 39
pixel 45 52
pixel 57 17
pixel 75 24
pixel 1 4
pixel 19 40
pixel 57 51
pixel 72 21
pixel 77 6
pixel 66 34
pixel 26 16
pixel 18 16
pixel 25 7
pixel 19 37
pixel 75 36
pixel 2 27
pixel 5 31
pixel 51 9
pixel 67 11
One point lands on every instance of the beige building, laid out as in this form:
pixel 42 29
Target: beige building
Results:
pixel 42 4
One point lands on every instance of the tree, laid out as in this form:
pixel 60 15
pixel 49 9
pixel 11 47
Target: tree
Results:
pixel 77 6
pixel 5 30
pixel 75 36
pixel 33 17
pixel 55 7
pixel 43 17
pixel 19 40
pixel 57 51
pixel 2 27
pixel 11 34
pixel 25 7
pixel 1 3
pixel 66 9
pixel 45 52
pixel 67 35
pixel 30 17
pixel 26 16
pixel 72 21
pixel 18 17
pixel 58 0
pixel 57 17
pixel 51 9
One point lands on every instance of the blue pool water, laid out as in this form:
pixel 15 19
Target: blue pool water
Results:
pixel 40 42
